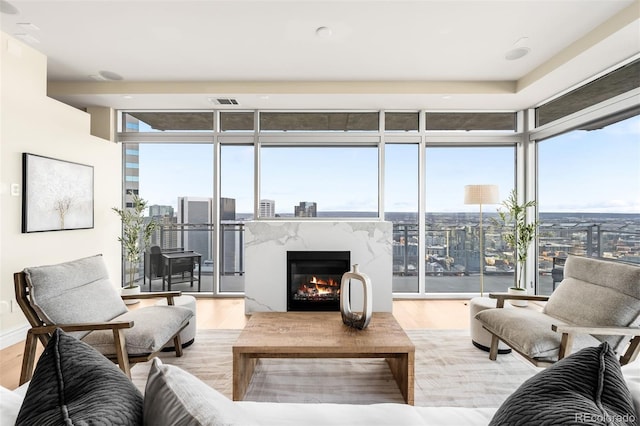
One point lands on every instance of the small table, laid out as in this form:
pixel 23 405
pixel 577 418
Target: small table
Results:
pixel 171 259
pixel 322 335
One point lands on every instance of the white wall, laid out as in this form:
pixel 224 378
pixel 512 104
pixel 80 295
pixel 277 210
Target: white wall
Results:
pixel 32 122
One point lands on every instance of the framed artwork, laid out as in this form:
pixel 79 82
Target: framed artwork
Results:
pixel 57 195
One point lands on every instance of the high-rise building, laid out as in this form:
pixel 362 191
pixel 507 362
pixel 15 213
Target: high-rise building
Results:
pixel 306 209
pixel 267 208
pixel 131 171
pixel 165 234
pixel 194 225
pixel 227 208
pixel 160 211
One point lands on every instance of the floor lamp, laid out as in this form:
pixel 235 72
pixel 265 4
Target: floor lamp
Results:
pixel 481 194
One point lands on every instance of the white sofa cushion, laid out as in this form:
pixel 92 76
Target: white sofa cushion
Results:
pixel 326 414
pixel 10 403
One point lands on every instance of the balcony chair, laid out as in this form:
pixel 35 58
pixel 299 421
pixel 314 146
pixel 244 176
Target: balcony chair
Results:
pixel 596 301
pixel 154 264
pixel 79 298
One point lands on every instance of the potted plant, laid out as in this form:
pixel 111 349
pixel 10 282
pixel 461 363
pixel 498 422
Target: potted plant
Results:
pixel 518 238
pixel 136 235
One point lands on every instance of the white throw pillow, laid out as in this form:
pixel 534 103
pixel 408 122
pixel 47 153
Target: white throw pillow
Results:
pixel 10 403
pixel 174 397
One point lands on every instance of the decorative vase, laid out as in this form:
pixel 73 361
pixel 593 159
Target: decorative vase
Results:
pixel 518 291
pixel 355 319
pixel 126 291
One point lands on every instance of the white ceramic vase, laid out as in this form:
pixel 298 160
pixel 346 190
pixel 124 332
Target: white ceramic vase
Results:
pixel 355 319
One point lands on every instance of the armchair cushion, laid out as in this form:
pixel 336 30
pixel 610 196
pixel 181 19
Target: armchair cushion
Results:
pixel 74 292
pixel 585 388
pixel 153 327
pixel 74 384
pixel 597 293
pixel 529 332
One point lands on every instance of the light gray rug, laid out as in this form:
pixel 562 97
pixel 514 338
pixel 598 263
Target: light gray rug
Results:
pixel 449 371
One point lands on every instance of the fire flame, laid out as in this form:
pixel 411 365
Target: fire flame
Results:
pixel 330 282
pixel 320 286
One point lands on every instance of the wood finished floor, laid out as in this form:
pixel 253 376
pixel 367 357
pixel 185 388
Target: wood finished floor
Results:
pixel 228 313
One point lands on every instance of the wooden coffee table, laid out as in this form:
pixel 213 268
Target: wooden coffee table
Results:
pixel 322 335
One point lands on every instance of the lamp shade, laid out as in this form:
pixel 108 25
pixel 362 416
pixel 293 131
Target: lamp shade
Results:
pixel 481 194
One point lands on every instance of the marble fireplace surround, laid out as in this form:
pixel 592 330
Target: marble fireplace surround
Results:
pixel 267 242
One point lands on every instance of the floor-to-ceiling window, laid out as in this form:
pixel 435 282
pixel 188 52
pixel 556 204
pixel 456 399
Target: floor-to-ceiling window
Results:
pixel 401 208
pixel 589 197
pixel 176 181
pixel 236 206
pixel 453 260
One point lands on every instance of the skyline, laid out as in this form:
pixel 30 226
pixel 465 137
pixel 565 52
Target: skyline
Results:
pixel 605 162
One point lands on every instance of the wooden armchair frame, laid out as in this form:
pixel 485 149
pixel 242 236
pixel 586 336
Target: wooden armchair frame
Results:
pixel 568 333
pixel 42 331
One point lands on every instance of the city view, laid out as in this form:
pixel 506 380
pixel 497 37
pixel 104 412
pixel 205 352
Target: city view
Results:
pixel 452 261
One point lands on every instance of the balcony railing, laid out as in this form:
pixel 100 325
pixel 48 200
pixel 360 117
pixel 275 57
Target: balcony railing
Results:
pixel 452 258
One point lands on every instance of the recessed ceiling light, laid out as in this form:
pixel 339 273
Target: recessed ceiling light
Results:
pixel 110 75
pixel 324 32
pixel 516 53
pixel 8 8
pixel 27 38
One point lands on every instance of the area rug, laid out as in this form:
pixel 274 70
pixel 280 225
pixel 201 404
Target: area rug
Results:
pixel 449 371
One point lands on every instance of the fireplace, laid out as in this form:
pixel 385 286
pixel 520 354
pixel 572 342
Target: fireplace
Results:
pixel 313 279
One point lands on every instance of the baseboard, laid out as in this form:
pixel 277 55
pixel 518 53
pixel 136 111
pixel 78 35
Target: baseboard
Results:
pixel 11 337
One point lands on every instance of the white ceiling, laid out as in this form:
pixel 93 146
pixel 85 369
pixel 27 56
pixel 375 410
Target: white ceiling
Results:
pixel 424 54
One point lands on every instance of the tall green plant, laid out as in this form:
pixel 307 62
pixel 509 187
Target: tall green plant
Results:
pixel 136 234
pixel 521 233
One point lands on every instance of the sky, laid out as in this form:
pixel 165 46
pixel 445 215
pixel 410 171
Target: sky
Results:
pixel 589 172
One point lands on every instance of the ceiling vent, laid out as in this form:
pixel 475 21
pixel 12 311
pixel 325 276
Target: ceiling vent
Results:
pixel 224 101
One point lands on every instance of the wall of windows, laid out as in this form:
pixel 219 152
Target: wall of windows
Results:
pixel 408 175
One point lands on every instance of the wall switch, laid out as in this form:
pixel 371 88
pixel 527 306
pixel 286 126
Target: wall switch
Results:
pixel 5 306
pixel 15 189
